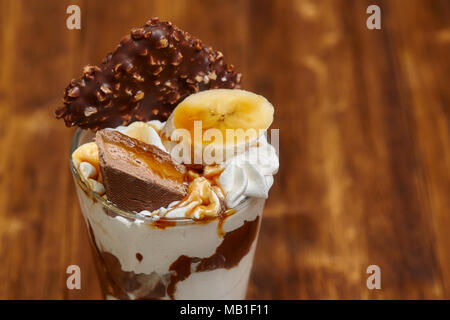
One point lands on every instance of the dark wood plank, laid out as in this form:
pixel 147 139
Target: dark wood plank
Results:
pixel 364 136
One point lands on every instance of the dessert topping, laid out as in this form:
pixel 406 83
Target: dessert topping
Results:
pixel 150 72
pixel 138 176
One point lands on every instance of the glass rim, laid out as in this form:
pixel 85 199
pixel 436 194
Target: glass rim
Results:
pixel 125 213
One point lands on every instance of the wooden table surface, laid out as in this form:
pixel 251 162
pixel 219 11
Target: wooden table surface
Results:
pixel 364 140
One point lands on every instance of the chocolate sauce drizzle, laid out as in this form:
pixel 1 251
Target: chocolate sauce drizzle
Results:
pixel 119 284
pixel 235 245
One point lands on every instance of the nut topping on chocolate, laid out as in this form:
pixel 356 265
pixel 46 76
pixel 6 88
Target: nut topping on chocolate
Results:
pixel 150 72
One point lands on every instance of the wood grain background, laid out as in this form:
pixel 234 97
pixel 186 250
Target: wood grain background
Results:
pixel 364 132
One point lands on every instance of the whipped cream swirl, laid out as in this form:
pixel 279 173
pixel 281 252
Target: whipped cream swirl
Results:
pixel 146 132
pixel 249 174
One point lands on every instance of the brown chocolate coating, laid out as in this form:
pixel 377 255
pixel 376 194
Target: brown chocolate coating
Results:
pixel 138 176
pixel 150 72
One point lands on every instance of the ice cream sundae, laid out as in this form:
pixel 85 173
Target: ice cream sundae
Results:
pixel 172 166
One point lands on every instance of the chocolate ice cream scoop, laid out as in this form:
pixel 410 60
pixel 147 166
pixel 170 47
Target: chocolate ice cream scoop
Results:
pixel 138 176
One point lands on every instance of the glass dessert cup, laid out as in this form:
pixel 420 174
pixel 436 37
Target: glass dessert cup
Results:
pixel 138 257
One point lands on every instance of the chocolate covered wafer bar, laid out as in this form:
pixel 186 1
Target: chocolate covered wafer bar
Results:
pixel 138 176
pixel 150 72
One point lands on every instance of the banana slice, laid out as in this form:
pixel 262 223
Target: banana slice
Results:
pixel 219 122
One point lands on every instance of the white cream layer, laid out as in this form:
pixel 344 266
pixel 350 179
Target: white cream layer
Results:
pixel 161 247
